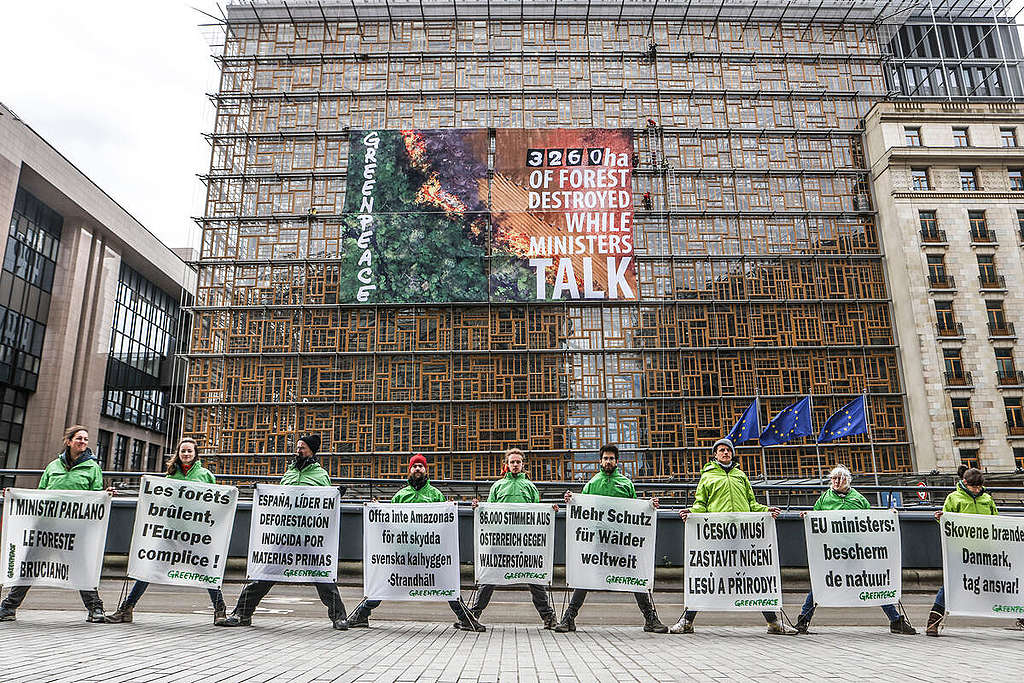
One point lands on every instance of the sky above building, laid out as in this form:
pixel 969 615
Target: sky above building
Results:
pixel 119 88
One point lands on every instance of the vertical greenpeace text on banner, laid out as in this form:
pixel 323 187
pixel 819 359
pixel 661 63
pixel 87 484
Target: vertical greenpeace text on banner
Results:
pixel 983 564
pixel 731 562
pixel 54 538
pixel 182 531
pixel 294 534
pixel 411 551
pixel 609 543
pixel 854 557
pixel 513 543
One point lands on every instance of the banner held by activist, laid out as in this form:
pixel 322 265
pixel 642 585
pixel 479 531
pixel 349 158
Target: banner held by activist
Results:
pixel 983 565
pixel 294 533
pixel 732 562
pixel 54 538
pixel 854 557
pixel 182 530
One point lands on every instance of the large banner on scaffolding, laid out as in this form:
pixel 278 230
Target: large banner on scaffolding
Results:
pixel 562 203
pixel 422 216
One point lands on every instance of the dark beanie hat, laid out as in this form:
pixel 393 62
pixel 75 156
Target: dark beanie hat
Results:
pixel 417 458
pixel 311 440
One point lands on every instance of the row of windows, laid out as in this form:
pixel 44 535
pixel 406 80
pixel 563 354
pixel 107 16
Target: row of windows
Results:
pixel 964 425
pixel 998 326
pixel 955 373
pixel 921 179
pixel 961 136
pixel 970 457
pixel 120 453
pixel 976 220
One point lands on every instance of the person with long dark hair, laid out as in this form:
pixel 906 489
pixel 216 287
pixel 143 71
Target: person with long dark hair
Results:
pixel 185 465
pixel 74 469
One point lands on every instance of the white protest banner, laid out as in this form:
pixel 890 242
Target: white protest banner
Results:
pixel 294 533
pixel 854 557
pixel 410 551
pixel 732 562
pixel 609 543
pixel 182 531
pixel 54 538
pixel 982 564
pixel 514 543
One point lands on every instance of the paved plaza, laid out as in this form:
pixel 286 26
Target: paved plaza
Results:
pixel 291 640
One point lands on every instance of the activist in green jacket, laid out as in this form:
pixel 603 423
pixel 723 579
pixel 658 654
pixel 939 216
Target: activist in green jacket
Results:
pixel 183 465
pixel 969 497
pixel 608 482
pixel 723 487
pixel 74 469
pixel 842 496
pixel 515 487
pixel 419 490
pixel 304 470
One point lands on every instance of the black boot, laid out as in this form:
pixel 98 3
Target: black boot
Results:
pixel 550 620
pixel 470 622
pixel 360 617
pixel 902 627
pixel 568 622
pixel 340 621
pixel 803 625
pixel 235 620
pixel 8 614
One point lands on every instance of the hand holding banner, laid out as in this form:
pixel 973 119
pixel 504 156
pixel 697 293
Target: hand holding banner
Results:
pixel 982 564
pixel 182 531
pixel 294 533
pixel 732 562
pixel 854 557
pixel 609 543
pixel 54 538
pixel 410 551
pixel 514 543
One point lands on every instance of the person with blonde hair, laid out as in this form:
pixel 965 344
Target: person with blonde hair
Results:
pixel 74 469
pixel 842 496
pixel 184 464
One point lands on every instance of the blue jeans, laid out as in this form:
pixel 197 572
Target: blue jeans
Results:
pixel 216 597
pixel 807 612
pixel 940 599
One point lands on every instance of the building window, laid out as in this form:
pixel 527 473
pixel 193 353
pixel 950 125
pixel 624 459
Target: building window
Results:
pixel 968 179
pixel 1018 458
pixel 969 457
pixel 1020 224
pixel 120 453
pixel 1006 368
pixel 13 402
pixel 1014 416
pixel 153 463
pixel 937 276
pixel 33 241
pixel 103 439
pixel 954 365
pixel 946 319
pixel 138 449
pixel 963 421
pixel 930 227
pixel 960 138
pixel 997 325
pixel 919 179
pixel 1008 137
pixel 987 272
pixel 979 226
pixel 912 136
pixel 1016 180
pixel 141 342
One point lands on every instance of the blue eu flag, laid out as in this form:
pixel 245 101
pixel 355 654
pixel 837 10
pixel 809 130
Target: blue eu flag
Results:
pixel 748 426
pixel 794 421
pixel 850 419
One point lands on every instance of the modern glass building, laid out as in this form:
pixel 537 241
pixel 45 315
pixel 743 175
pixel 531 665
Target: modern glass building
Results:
pixel 759 265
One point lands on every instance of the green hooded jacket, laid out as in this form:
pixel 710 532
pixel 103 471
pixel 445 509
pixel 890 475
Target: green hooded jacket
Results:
pixel 310 474
pixel 721 490
pixel 963 500
pixel 513 488
pixel 195 473
pixel 83 475
pixel 853 500
pixel 615 485
pixel 425 494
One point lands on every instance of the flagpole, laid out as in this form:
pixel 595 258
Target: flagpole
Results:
pixel 764 461
pixel 817 447
pixel 871 440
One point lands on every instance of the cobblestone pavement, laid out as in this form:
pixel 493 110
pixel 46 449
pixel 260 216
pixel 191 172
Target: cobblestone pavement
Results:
pixel 49 645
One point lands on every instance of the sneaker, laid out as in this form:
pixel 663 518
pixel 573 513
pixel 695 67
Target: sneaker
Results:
pixel 681 626
pixel 777 629
pixel 235 620
pixel 96 616
pixel 550 621
pixel 476 627
pixel 359 619
pixel 220 615
pixel 902 627
pixel 8 614
pixel 340 624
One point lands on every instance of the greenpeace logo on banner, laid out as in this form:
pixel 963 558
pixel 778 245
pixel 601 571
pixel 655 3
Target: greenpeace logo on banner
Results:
pixel 192 576
pixel 512 576
pixel 1015 609
pixel 761 602
pixel 321 573
pixel 626 580
pixel 10 561
pixel 878 595
pixel 437 592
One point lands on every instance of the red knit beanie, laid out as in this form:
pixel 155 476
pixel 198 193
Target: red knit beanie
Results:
pixel 417 458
